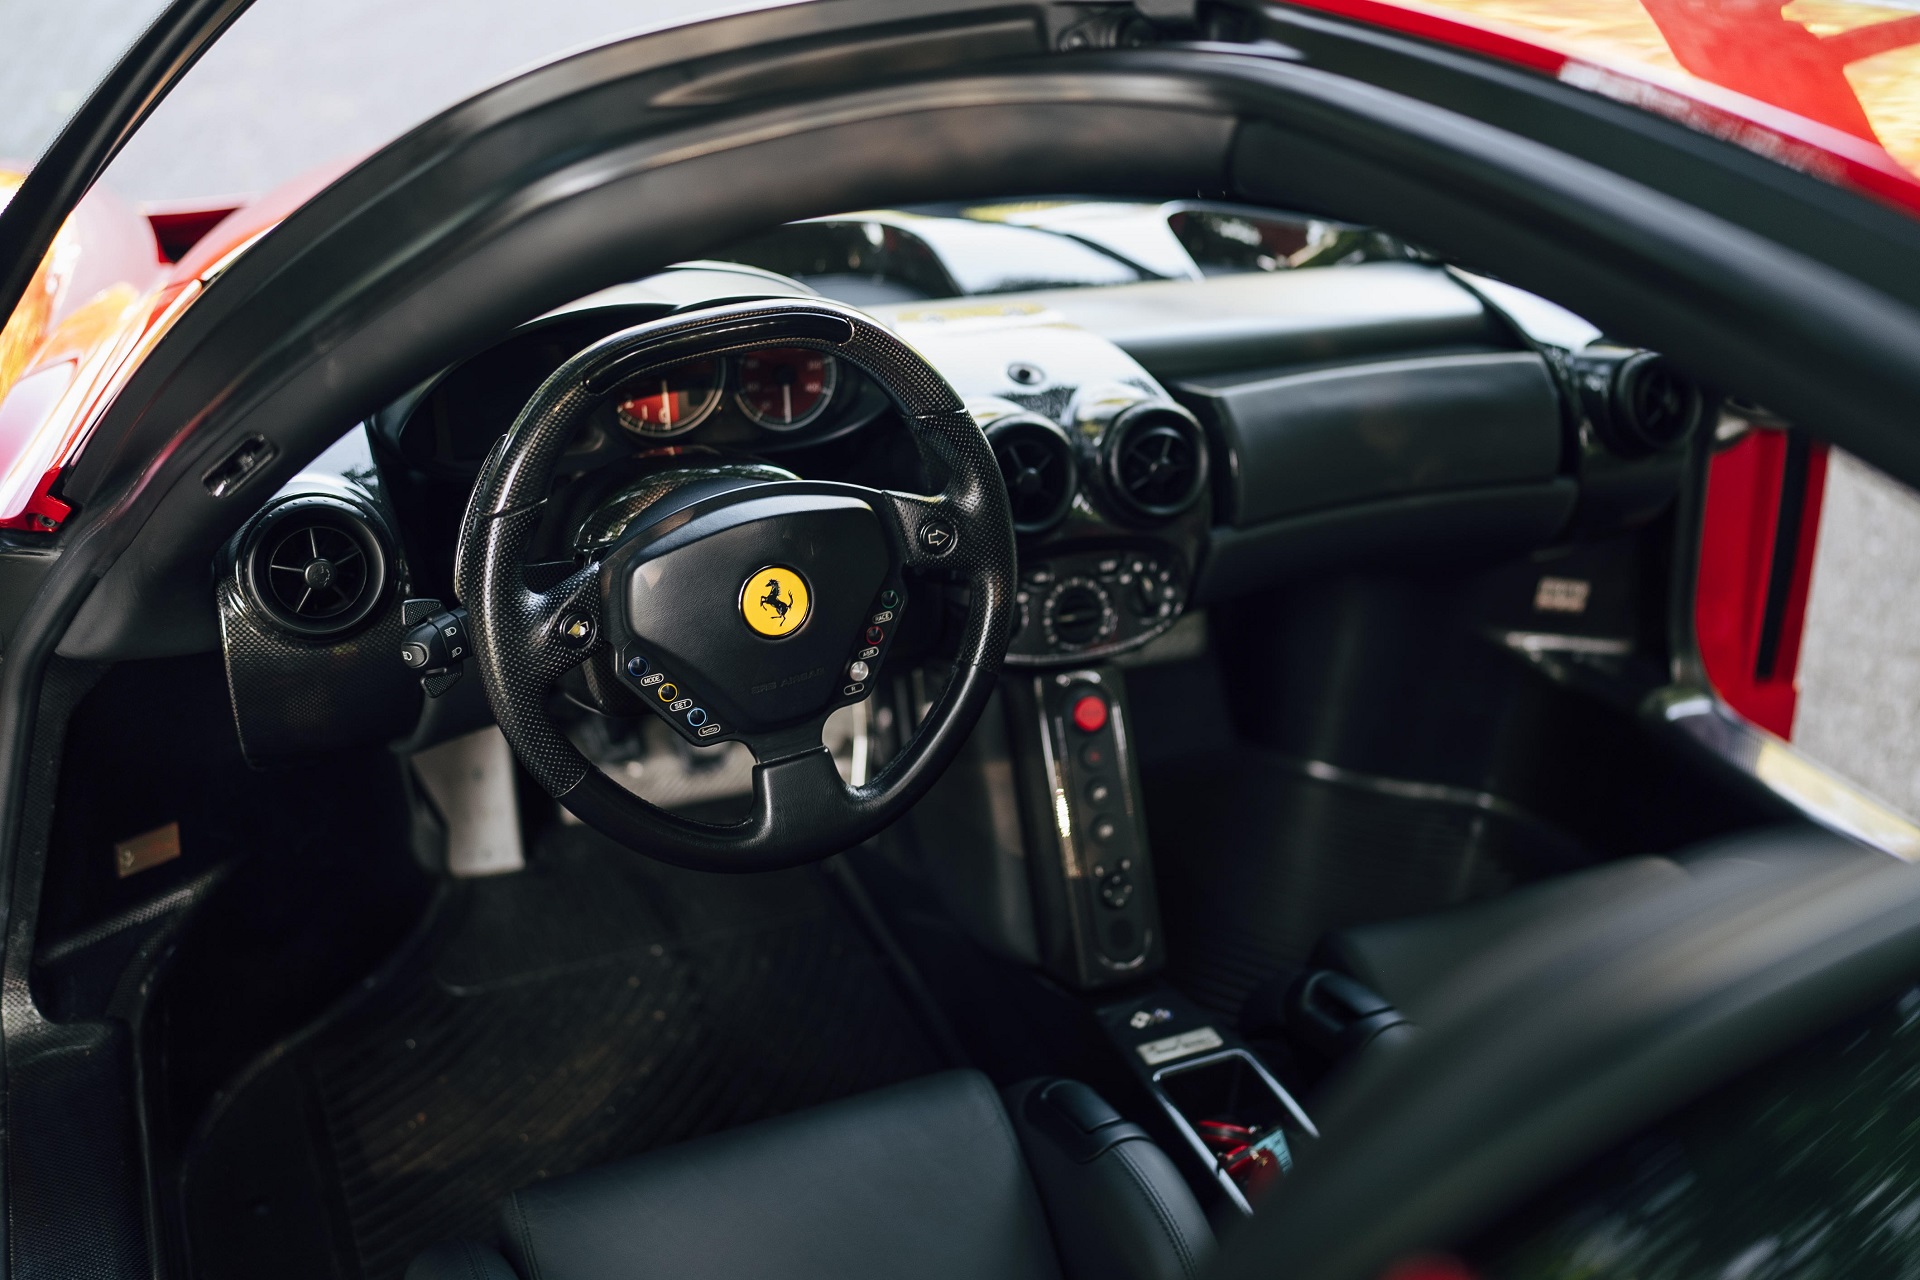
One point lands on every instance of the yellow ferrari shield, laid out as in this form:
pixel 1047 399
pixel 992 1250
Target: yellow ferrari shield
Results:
pixel 774 601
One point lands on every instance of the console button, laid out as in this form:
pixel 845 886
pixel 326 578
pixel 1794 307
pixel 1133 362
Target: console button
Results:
pixel 697 717
pixel 858 671
pixel 1094 756
pixel 636 666
pixel 1104 830
pixel 1090 713
pixel 668 692
pixel 875 635
pixel 1098 791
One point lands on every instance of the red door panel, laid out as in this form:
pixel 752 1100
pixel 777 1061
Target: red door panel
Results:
pixel 1750 606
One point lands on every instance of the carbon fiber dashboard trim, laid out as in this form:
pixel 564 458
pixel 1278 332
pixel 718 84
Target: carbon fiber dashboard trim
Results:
pixel 295 695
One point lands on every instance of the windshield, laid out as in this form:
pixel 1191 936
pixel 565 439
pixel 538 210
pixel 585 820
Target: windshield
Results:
pixel 291 86
pixel 51 59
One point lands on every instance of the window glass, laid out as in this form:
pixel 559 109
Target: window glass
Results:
pixel 51 58
pixel 293 86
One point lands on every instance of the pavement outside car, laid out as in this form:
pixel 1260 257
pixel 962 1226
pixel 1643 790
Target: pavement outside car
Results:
pixel 1859 709
pixel 295 85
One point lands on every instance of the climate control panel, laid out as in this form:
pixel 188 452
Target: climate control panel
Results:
pixel 1081 604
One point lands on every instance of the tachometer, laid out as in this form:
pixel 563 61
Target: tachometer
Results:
pixel 672 400
pixel 786 387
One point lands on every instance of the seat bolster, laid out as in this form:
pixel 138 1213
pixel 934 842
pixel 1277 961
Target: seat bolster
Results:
pixel 460 1260
pixel 1118 1207
pixel 922 1179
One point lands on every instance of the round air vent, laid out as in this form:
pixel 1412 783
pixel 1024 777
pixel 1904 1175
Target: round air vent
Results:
pixel 315 566
pixel 1655 402
pixel 1156 460
pixel 1036 459
pixel 1637 401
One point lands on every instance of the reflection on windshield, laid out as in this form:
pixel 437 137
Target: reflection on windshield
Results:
pixel 944 251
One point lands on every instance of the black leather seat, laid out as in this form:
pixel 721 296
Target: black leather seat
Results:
pixel 1416 965
pixel 939 1177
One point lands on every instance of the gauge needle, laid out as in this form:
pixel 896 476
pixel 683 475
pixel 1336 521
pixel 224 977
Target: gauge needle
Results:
pixel 786 401
pixel 666 404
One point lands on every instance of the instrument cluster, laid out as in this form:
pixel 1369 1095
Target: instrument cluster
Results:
pixel 777 388
pixel 757 402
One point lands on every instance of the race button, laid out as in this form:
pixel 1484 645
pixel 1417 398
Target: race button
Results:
pixel 1090 713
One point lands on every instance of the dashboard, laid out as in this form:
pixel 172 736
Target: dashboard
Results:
pixel 1166 446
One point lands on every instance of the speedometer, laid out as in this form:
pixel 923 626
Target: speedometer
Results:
pixel 786 387
pixel 672 400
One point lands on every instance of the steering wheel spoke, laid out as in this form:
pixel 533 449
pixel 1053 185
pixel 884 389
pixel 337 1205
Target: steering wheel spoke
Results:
pixel 930 537
pixel 563 625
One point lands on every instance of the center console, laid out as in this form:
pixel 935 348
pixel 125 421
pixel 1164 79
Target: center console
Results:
pixel 1095 908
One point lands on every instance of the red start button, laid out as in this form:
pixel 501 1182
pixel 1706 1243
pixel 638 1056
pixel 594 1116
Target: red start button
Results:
pixel 1090 713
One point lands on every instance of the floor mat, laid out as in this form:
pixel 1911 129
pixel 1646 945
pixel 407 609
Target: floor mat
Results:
pixel 595 1006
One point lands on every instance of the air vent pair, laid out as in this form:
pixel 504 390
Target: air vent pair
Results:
pixel 314 566
pixel 1155 458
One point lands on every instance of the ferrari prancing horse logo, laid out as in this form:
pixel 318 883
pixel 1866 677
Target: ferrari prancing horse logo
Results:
pixel 774 601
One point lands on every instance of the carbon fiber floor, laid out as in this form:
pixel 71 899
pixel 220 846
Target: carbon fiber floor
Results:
pixel 595 1006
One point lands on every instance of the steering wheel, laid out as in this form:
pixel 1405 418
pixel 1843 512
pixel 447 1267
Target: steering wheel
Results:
pixel 749 609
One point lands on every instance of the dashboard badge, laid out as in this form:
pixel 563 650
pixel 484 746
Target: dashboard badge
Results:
pixel 774 601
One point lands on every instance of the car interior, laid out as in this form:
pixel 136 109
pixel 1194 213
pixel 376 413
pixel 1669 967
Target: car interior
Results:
pixel 960 716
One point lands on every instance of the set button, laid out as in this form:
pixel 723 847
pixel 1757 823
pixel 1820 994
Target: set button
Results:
pixel 699 719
